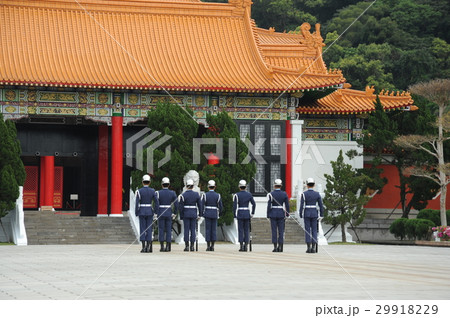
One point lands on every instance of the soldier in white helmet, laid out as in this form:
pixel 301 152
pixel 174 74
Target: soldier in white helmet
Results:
pixel 189 204
pixel 277 212
pixel 308 209
pixel 241 211
pixel 144 210
pixel 212 209
pixel 168 206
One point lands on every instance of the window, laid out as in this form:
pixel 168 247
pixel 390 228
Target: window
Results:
pixel 275 172
pixel 260 133
pixel 260 178
pixel 244 131
pixel 275 135
pixel 271 150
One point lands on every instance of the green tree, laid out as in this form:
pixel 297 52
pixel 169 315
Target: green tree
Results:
pixel 170 120
pixel 408 33
pixel 344 196
pixel 378 141
pixel 12 170
pixel 230 169
pixel 437 170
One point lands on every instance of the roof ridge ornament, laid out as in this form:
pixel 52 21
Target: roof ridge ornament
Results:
pixel 312 40
pixel 241 6
pixel 370 90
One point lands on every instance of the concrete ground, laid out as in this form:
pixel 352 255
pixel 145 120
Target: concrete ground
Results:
pixel 121 272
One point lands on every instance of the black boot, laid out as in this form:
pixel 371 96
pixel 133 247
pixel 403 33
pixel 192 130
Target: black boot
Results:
pixel 275 249
pixel 208 246
pixel 149 246
pixel 242 247
pixel 212 247
pixel 162 247
pixel 192 247
pixel 186 246
pixel 143 247
pixel 280 248
pixel 308 250
pixel 245 247
pixel 168 247
pixel 313 248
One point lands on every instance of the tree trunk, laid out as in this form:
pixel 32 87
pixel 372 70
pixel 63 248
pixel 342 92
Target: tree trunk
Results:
pixel 442 176
pixel 442 205
pixel 402 187
pixel 344 237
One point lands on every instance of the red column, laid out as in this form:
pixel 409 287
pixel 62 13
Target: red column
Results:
pixel 288 182
pixel 116 165
pixel 49 181
pixel 103 169
pixel 41 183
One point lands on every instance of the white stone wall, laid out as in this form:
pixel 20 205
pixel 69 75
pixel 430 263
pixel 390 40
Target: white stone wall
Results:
pixel 316 156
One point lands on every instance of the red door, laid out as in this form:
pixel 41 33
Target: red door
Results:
pixel 31 187
pixel 58 193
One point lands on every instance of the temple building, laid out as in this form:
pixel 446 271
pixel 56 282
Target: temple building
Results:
pixel 78 78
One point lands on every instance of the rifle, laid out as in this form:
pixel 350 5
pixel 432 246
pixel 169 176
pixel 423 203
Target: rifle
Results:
pixel 196 235
pixel 317 241
pixel 250 233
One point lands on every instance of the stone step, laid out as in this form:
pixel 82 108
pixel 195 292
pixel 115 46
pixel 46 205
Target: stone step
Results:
pixel 52 228
pixel 262 233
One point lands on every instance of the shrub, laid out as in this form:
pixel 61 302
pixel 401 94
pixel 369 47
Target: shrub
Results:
pixel 418 229
pixel 423 229
pixel 292 205
pixel 398 228
pixel 410 228
pixel 432 215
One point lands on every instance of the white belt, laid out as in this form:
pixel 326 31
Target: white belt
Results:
pixel 277 207
pixel 145 205
pixel 243 208
pixel 310 206
pixel 165 206
pixel 190 206
pixel 210 207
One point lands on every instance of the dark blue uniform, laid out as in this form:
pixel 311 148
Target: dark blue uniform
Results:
pixel 277 213
pixel 189 204
pixel 212 208
pixel 143 209
pixel 242 213
pixel 308 210
pixel 165 199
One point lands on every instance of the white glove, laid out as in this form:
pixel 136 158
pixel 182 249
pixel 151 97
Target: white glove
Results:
pixel 251 215
pixel 174 216
pixel 155 217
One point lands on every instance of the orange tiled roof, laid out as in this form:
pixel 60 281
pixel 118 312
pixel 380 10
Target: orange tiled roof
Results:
pixel 350 101
pixel 178 44
pixel 294 52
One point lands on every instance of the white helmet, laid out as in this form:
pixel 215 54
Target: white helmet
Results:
pixel 189 182
pixel 310 181
pixel 165 180
pixel 242 183
pixel 211 183
pixel 278 182
pixel 146 177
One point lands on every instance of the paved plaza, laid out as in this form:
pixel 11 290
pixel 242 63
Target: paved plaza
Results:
pixel 121 272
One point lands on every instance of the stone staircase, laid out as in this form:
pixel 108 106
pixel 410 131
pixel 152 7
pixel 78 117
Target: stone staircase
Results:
pixel 262 234
pixel 66 228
